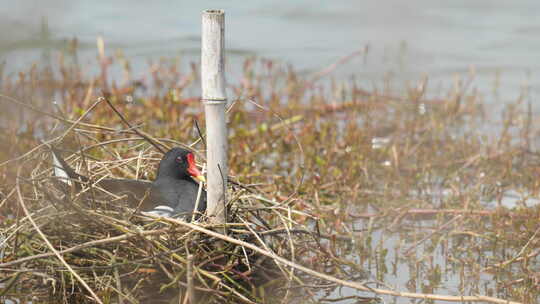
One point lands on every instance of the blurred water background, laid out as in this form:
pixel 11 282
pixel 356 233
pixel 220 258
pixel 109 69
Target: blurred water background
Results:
pixel 406 41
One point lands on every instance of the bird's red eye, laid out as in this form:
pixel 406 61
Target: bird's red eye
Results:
pixel 179 159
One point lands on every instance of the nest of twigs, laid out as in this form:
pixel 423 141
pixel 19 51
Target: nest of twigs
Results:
pixel 120 252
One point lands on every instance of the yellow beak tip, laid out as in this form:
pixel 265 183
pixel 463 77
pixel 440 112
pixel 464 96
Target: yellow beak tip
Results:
pixel 201 178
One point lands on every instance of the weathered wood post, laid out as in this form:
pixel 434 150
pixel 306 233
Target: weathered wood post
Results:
pixel 215 100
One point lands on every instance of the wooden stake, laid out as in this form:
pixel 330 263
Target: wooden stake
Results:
pixel 215 100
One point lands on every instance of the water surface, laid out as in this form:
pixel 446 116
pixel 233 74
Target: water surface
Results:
pixel 407 40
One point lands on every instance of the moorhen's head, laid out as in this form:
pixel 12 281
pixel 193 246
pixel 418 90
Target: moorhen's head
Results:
pixel 179 163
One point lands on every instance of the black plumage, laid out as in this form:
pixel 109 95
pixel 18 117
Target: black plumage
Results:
pixel 174 192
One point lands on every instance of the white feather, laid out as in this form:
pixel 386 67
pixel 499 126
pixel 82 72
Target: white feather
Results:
pixel 161 210
pixel 59 171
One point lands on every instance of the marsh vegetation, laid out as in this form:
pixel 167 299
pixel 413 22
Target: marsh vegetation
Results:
pixel 399 192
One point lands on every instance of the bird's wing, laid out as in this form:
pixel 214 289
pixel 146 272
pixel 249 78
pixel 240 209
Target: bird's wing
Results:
pixel 138 192
pixel 135 191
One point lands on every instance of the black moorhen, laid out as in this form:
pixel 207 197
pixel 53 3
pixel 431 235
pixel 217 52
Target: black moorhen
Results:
pixel 173 193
